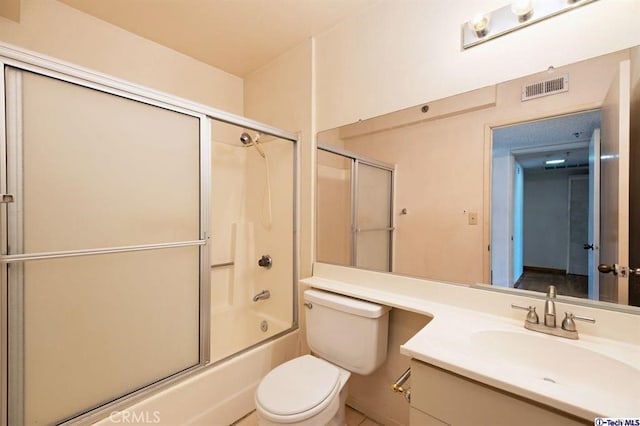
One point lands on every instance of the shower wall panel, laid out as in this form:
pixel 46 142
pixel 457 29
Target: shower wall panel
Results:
pixel 252 200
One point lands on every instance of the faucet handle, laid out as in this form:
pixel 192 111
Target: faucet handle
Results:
pixel 569 324
pixel 552 292
pixel 532 315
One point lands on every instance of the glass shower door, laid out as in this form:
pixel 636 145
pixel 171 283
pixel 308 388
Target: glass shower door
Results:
pixel 373 224
pixel 102 246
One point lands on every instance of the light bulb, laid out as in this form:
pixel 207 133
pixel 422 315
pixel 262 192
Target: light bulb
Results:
pixel 523 9
pixel 480 25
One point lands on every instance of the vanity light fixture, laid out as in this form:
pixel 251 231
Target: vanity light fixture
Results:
pixel 516 15
pixel 550 162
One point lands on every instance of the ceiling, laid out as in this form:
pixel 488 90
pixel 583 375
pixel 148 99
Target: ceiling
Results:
pixel 563 137
pixel 237 36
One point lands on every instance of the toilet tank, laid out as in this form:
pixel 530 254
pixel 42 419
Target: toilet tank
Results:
pixel 348 332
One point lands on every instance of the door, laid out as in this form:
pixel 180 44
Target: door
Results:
pixel 577 258
pixel 517 248
pixel 373 224
pixel 103 273
pixel 593 237
pixel 614 169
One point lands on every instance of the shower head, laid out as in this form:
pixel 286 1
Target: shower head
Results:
pixel 245 138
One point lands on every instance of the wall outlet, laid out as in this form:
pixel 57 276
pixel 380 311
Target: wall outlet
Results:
pixel 473 218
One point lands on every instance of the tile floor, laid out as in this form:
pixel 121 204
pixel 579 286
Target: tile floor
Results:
pixel 354 418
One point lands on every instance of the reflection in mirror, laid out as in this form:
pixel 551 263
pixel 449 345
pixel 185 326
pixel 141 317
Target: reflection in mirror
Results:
pixel 461 192
pixel 542 205
pixel 355 206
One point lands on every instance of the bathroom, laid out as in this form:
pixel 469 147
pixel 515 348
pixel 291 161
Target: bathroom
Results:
pixel 376 58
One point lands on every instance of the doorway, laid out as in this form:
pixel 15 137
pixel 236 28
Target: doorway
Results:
pixel 541 198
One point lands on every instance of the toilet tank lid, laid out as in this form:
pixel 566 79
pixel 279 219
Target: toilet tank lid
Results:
pixel 345 303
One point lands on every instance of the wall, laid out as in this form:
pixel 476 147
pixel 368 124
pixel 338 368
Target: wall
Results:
pixel 441 168
pixel 333 197
pixel 372 394
pixel 57 30
pixel 403 53
pixel 546 224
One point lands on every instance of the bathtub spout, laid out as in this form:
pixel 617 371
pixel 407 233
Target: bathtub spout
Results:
pixel 264 294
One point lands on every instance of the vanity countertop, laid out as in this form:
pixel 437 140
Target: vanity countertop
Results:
pixel 462 341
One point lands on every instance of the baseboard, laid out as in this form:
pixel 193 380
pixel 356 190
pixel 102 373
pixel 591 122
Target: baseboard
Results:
pixel 544 270
pixel 365 409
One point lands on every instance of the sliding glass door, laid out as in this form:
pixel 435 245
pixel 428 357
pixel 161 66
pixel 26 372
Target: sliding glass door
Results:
pixel 354 209
pixel 102 245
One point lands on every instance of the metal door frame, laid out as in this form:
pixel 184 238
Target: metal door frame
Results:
pixel 356 160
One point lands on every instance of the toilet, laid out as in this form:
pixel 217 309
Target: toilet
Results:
pixel 347 336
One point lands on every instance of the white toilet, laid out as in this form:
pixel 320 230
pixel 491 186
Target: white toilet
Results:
pixel 350 335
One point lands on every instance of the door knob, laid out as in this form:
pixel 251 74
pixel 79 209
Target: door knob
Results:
pixel 588 246
pixel 605 269
pixel 617 269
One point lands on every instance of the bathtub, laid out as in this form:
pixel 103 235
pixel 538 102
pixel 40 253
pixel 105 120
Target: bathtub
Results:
pixel 217 396
pixel 235 329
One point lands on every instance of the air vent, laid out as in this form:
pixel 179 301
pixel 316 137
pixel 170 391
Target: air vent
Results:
pixel 545 88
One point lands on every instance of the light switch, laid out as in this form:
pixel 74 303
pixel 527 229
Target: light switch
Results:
pixel 473 218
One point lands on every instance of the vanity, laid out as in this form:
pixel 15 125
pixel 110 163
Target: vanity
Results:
pixel 475 363
pixel 439 397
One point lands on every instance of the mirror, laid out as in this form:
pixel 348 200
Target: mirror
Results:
pixel 471 198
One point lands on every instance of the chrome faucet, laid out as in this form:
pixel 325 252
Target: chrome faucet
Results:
pixel 568 327
pixel 264 294
pixel 550 307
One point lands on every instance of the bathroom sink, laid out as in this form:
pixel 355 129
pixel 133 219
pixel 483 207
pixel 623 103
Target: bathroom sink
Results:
pixel 564 364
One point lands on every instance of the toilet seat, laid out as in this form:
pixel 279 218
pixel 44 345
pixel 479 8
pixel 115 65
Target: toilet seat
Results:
pixel 298 389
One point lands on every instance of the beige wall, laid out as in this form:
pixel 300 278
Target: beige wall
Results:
pixel 333 228
pixel 52 28
pixel 10 9
pixel 372 394
pixel 401 53
pixel 441 169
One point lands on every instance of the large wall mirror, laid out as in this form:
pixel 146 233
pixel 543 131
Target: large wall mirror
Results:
pixel 516 186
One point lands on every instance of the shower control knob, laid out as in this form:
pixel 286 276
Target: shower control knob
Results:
pixel 265 261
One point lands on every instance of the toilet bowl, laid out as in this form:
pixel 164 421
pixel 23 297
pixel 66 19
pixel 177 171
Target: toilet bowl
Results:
pixel 304 391
pixel 347 335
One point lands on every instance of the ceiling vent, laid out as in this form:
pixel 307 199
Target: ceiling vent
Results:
pixel 545 87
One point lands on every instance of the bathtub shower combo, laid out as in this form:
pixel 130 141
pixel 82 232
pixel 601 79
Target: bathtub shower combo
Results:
pixel 144 239
pixel 251 265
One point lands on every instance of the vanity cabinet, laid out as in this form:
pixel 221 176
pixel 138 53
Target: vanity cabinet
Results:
pixel 439 397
